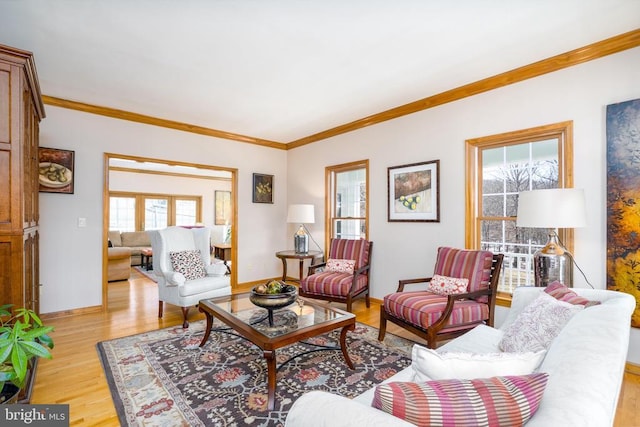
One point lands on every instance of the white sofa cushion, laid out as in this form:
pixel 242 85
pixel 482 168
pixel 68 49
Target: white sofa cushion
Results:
pixel 202 286
pixel 538 324
pixel 431 365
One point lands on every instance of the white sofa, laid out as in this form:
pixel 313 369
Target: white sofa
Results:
pixel 585 363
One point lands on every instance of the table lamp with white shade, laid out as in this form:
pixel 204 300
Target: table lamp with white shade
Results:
pixel 552 208
pixel 301 214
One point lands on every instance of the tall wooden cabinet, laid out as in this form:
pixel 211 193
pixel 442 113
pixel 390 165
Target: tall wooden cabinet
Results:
pixel 21 110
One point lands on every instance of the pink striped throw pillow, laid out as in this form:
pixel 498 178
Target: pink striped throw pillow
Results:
pixel 497 401
pixel 563 293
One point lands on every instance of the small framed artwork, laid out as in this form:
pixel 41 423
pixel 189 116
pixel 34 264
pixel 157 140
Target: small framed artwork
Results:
pixel 262 188
pixel 56 170
pixel 414 192
pixel 223 207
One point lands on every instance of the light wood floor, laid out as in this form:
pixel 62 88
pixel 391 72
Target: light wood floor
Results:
pixel 75 377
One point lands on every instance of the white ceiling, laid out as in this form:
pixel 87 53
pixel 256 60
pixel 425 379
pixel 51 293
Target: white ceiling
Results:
pixel 284 69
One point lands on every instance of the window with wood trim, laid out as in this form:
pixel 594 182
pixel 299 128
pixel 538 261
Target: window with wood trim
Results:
pixel 347 204
pixel 499 167
pixel 140 212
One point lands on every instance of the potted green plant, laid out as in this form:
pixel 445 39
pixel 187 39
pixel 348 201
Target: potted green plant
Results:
pixel 22 337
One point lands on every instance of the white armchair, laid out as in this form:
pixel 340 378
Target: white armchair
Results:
pixel 184 278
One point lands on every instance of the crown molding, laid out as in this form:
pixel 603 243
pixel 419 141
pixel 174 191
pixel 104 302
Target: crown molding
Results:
pixel 155 121
pixel 578 56
pixel 555 63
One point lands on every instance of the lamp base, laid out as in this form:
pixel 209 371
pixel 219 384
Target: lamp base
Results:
pixel 301 241
pixel 553 263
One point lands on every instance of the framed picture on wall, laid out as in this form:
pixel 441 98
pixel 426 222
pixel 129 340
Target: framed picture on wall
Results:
pixel 623 198
pixel 413 192
pixel 222 207
pixel 262 188
pixel 56 170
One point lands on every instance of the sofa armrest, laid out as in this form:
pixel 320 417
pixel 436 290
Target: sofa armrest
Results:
pixel 322 409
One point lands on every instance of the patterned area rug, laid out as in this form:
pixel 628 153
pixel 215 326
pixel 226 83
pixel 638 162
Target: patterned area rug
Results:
pixel 162 378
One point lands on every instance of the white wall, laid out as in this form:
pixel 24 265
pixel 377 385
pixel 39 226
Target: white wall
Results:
pixel 70 257
pixel 404 250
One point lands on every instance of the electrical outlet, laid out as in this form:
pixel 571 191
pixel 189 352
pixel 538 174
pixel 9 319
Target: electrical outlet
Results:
pixel 82 222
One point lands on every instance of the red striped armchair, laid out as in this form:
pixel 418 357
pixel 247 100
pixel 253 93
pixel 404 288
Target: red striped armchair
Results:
pixel 460 295
pixel 344 276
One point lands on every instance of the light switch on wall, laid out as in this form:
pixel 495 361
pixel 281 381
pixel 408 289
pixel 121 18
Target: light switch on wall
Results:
pixel 82 222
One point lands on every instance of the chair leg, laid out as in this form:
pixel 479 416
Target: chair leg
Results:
pixel 366 300
pixel 383 325
pixel 349 304
pixel 160 309
pixel 185 313
pixel 432 340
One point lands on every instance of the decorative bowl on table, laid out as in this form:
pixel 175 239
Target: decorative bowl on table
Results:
pixel 273 295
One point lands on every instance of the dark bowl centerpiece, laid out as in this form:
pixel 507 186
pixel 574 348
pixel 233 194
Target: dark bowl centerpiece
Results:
pixel 273 295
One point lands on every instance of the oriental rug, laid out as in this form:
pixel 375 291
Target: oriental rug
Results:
pixel 163 377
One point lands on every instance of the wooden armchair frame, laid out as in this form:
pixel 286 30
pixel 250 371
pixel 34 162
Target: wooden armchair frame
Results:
pixel 437 330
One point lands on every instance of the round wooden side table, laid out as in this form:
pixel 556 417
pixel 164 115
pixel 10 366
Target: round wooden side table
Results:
pixel 285 255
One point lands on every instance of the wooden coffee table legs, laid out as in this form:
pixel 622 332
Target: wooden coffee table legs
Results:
pixel 207 330
pixel 272 368
pixel 343 344
pixel 270 357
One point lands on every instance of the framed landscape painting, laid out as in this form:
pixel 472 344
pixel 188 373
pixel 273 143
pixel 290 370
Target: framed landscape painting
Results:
pixel 262 188
pixel 55 170
pixel 413 192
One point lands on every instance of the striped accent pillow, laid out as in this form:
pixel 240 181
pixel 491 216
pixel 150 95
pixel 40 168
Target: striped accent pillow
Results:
pixel 498 401
pixel 562 293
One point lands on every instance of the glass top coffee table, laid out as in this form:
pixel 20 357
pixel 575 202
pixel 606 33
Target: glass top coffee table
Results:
pixel 295 323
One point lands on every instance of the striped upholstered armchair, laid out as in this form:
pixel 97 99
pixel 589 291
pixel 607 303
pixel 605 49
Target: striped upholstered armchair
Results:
pixel 460 295
pixel 344 276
